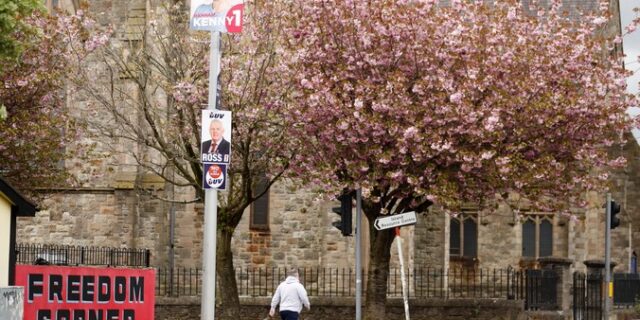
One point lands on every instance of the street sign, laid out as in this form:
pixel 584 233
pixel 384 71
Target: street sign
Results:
pixel 395 220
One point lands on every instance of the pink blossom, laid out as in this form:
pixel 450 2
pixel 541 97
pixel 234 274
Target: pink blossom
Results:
pixel 512 13
pixel 460 97
pixel 456 97
pixel 599 21
pixel 630 28
pixel 410 132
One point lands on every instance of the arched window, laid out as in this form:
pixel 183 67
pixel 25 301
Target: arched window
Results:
pixel 470 246
pixel 537 236
pixel 463 236
pixel 529 238
pixel 259 214
pixel 454 238
pixel 546 238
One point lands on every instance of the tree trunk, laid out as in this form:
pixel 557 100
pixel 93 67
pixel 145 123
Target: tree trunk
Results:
pixel 378 274
pixel 227 286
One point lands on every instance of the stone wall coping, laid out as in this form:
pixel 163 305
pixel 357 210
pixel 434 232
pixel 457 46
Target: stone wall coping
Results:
pixel 597 263
pixel 350 301
pixel 545 314
pixel 468 302
pixel 555 260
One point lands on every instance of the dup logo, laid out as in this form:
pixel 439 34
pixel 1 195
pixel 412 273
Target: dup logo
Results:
pixel 215 176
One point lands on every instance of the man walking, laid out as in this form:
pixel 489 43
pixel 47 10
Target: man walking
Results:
pixel 291 296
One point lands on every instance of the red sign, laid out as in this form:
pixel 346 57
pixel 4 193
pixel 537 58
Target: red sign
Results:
pixel 233 20
pixel 81 293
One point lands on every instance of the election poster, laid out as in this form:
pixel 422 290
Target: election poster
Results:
pixel 215 176
pixel 216 136
pixel 11 303
pixel 217 15
pixel 60 292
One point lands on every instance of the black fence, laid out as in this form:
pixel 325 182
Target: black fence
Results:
pixel 588 293
pixel 626 289
pixel 538 289
pixel 79 256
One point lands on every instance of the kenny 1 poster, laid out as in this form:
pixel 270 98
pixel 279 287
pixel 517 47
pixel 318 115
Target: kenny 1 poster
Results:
pixel 217 15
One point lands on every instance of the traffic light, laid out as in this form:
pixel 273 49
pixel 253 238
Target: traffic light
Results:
pixel 344 211
pixel 615 209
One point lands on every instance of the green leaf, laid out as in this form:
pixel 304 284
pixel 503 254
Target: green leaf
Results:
pixel 3 112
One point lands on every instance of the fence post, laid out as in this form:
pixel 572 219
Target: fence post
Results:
pixel 147 257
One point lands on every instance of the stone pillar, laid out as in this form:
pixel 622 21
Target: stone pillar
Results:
pixel 595 272
pixel 562 267
pixel 596 267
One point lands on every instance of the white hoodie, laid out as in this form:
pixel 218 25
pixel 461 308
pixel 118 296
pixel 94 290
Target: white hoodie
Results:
pixel 290 295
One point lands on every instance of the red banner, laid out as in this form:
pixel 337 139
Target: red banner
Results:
pixel 82 293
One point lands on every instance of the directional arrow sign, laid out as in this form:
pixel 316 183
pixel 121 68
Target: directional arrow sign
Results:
pixel 395 220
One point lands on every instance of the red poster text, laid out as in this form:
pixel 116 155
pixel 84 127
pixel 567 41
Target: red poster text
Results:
pixel 82 293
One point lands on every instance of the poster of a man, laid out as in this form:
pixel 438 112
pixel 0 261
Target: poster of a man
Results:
pixel 216 136
pixel 211 15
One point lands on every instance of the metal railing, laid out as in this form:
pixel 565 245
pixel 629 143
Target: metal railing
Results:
pixel 587 291
pixel 626 289
pixel 80 255
pixel 538 289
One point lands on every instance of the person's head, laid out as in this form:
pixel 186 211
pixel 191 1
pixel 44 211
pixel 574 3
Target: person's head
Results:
pixel 221 5
pixel 292 272
pixel 216 130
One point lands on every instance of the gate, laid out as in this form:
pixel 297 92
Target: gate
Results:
pixel 587 296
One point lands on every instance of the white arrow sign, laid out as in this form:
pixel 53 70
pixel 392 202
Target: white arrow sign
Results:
pixel 395 220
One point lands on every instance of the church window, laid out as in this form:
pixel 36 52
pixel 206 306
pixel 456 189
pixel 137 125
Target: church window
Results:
pixel 260 207
pixel 463 236
pixel 537 236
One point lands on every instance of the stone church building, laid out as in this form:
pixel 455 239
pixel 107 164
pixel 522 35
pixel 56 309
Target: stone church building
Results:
pixel 288 226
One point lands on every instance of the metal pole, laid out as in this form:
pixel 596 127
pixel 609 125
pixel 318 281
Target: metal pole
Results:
pixel 172 238
pixel 403 279
pixel 358 254
pixel 607 259
pixel 208 303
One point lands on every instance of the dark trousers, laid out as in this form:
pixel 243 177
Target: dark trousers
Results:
pixel 289 315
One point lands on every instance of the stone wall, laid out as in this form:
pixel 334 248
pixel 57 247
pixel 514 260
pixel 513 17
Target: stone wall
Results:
pixel 300 233
pixel 430 240
pixel 344 308
pixel 499 238
pixel 626 191
pixel 117 216
pixel 110 210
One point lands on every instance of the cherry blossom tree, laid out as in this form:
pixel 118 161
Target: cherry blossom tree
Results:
pixel 419 104
pixel 154 90
pixel 37 126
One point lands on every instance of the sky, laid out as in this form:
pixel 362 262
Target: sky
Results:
pixel 631 47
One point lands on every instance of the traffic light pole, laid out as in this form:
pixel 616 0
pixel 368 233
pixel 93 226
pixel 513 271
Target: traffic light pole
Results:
pixel 358 254
pixel 607 260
